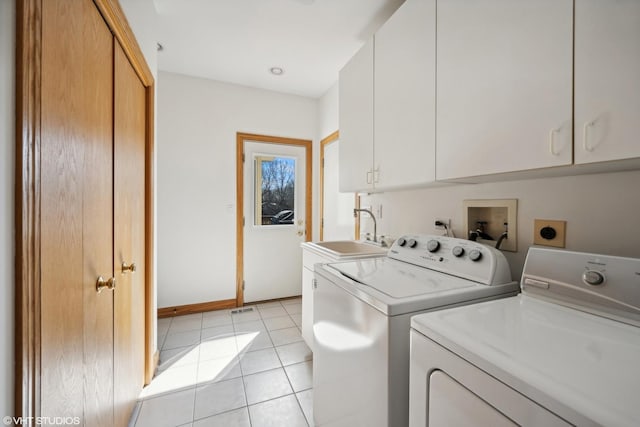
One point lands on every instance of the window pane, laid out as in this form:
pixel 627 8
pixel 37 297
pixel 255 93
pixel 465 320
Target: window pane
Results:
pixel 274 190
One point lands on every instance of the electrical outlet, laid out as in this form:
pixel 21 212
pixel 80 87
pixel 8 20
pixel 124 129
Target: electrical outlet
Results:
pixel 549 232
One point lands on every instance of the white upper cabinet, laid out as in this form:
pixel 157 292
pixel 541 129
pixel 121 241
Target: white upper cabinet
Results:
pixel 355 89
pixel 387 105
pixel 607 80
pixel 404 92
pixel 504 86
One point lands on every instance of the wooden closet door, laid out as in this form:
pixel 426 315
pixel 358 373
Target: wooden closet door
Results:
pixel 129 237
pixel 76 213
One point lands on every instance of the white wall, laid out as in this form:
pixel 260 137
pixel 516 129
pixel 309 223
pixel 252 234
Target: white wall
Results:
pixel 601 211
pixel 197 124
pixel 7 162
pixel 328 122
pixel 328 112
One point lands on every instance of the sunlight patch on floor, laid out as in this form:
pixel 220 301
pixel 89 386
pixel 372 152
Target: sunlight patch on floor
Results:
pixel 209 361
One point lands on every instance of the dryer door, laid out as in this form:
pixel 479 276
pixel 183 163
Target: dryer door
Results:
pixel 451 404
pixel 446 390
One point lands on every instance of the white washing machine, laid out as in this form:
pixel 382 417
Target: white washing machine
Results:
pixel 566 351
pixel 361 321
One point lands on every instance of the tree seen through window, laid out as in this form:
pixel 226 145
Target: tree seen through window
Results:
pixel 277 190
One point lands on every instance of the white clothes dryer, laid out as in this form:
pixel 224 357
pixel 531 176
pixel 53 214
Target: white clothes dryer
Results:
pixel 566 351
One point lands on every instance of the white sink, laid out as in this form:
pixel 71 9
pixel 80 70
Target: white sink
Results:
pixel 347 248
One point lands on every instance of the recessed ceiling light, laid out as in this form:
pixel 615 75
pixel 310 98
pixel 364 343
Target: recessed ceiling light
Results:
pixel 276 71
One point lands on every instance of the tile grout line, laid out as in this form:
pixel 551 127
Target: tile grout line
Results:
pixel 242 373
pixel 195 393
pixel 295 395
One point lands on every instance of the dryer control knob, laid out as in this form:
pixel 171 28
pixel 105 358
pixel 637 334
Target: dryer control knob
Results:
pixel 412 243
pixel 593 278
pixel 475 255
pixel 402 241
pixel 433 245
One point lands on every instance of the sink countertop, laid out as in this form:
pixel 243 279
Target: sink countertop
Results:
pixel 345 249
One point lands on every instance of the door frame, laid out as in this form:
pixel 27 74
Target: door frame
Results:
pixel 241 138
pixel 323 144
pixel 27 195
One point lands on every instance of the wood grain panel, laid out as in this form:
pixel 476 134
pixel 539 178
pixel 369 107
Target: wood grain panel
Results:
pixel 129 235
pixel 50 184
pixel 96 71
pixel 27 205
pixel 201 307
pixel 76 323
pixel 151 353
pixel 117 21
pixel 61 206
pixel 323 143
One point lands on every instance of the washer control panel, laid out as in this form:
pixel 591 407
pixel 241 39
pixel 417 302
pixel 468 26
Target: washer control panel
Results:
pixel 458 257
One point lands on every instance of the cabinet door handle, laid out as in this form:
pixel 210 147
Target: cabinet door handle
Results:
pixel 369 176
pixel 128 267
pixel 102 284
pixel 552 144
pixel 585 141
pixel 376 174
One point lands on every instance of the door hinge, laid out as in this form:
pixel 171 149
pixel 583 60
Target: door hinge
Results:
pixel 242 157
pixel 243 285
pixel 243 221
pixel 314 283
pixel 322 163
pixel 322 223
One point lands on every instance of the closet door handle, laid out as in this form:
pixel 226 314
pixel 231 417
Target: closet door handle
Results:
pixel 128 267
pixel 102 284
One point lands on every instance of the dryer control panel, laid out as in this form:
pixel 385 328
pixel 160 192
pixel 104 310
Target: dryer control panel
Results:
pixel 601 284
pixel 457 257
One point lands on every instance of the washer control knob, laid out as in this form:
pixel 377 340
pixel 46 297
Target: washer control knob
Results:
pixel 402 241
pixel 458 251
pixel 593 278
pixel 433 245
pixel 412 243
pixel 475 255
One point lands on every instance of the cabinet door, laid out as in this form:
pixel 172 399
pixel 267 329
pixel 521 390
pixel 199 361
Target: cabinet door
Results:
pixel 504 86
pixel 607 80
pixel 76 214
pixel 404 149
pixel 356 121
pixel 129 235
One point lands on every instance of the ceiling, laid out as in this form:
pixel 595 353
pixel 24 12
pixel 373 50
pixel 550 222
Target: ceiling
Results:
pixel 238 41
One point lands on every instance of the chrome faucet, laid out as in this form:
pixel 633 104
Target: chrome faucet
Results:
pixel 355 215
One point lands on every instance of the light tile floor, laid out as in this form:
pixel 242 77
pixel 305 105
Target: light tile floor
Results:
pixel 231 369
